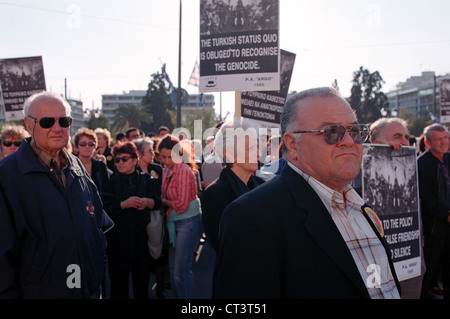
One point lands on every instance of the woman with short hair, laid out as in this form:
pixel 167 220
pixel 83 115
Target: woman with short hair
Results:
pixel 128 198
pixel 11 137
pixel 85 141
pixel 238 148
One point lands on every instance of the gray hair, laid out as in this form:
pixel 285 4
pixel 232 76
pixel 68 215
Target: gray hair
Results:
pixel 105 133
pixel 14 131
pixel 140 142
pixel 45 94
pixel 289 114
pixel 237 128
pixel 377 126
pixel 436 127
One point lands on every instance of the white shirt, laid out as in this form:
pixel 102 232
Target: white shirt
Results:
pixel 364 245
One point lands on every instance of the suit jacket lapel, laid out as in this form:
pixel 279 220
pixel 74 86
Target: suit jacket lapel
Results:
pixel 321 226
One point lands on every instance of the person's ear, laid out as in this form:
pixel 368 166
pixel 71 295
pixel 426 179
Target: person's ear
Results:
pixel 289 141
pixel 28 125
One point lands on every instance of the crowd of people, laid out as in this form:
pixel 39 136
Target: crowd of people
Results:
pixel 79 211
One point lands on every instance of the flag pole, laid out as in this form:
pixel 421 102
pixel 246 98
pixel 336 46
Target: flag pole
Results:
pixel 179 76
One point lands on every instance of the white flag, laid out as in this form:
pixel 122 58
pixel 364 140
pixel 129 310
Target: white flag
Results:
pixel 194 80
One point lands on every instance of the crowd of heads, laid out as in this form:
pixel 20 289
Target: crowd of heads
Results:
pixel 234 141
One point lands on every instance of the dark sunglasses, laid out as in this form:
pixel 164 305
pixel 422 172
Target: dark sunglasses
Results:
pixel 333 134
pixel 123 159
pixel 48 122
pixel 86 143
pixel 9 143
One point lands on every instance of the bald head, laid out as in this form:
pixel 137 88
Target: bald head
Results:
pixel 47 119
pixel 46 95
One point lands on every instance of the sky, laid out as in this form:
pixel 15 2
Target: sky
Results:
pixel 113 46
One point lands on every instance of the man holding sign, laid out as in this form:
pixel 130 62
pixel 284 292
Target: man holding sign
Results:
pixel 394 132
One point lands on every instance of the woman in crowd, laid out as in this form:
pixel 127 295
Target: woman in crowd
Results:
pixel 156 228
pixel 146 156
pixel 12 136
pixel 189 157
pixel 85 141
pixel 103 148
pixel 128 198
pixel 179 193
pixel 238 149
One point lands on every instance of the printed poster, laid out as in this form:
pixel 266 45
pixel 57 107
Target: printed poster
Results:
pixel 444 96
pixel 390 187
pixel 265 107
pixel 19 78
pixel 239 45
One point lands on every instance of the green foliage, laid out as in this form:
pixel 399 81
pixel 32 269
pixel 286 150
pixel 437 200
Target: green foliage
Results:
pixel 415 124
pixel 157 103
pixel 366 97
pixel 100 121
pixel 335 84
pixel 130 115
pixel 206 116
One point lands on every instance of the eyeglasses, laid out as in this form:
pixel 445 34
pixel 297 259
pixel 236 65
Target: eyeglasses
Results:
pixel 333 134
pixel 48 122
pixel 123 159
pixel 86 143
pixel 9 143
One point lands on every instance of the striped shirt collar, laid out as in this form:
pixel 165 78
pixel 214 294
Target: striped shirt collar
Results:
pixel 51 164
pixel 47 160
pixel 327 195
pixel 364 246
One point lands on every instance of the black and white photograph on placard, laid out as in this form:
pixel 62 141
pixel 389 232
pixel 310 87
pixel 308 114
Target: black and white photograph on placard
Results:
pixel 20 78
pixel 227 16
pixel 444 97
pixel 389 179
pixel 390 188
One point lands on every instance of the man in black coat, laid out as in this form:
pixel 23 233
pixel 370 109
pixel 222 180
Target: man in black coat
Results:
pixel 434 190
pixel 306 233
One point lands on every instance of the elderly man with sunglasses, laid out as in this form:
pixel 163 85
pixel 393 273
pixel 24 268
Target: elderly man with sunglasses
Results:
pixel 52 243
pixel 306 233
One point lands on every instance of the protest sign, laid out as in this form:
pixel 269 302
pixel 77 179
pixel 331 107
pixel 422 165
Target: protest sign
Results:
pixel 239 45
pixel 20 78
pixel 390 187
pixel 444 97
pixel 266 106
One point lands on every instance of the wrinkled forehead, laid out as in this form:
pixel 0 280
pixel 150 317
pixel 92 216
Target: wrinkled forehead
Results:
pixel 319 111
pixel 395 128
pixel 49 106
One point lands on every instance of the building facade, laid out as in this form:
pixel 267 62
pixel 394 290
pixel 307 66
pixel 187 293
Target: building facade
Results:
pixel 419 94
pixel 196 102
pixel 110 102
pixel 77 115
